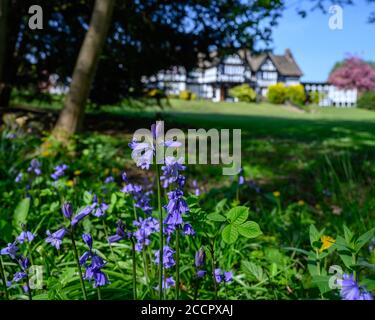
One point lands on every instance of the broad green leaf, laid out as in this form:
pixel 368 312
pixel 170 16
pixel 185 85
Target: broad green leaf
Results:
pixel 216 217
pixel 238 215
pixel 254 270
pixel 230 233
pixel 87 197
pixel 347 258
pixel 249 229
pixel 363 239
pixel 21 212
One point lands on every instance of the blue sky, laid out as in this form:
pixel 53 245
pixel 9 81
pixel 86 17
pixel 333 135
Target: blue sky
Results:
pixel 316 47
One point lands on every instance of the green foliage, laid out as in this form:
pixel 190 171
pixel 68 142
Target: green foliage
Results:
pixel 187 95
pixel 243 93
pixel 277 93
pixel 296 94
pixel 367 101
pixel 314 97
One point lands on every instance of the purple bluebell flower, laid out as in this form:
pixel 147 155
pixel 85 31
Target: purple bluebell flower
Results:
pixel 201 273
pixel 145 227
pixel 10 250
pixel 109 179
pixel 241 180
pixel 124 176
pixel 59 171
pixel 23 262
pixel 83 259
pixel 100 278
pixel 100 210
pixel 25 236
pixel 87 239
pixel 218 275
pixel 176 202
pixel 142 153
pixel 56 238
pixel 195 186
pixel 168 260
pixel 350 290
pixel 141 199
pixel 82 214
pixel 188 230
pixel 200 258
pixel 67 210
pixel 35 167
pixel 171 171
pixel 167 283
pixel 18 177
pixel 120 233
pixel 18 276
pixel 228 276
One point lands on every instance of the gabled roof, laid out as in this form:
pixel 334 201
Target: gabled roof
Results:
pixel 285 64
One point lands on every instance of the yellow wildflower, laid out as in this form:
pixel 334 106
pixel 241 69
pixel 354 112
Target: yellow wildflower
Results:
pixel 276 194
pixel 77 172
pixel 70 183
pixel 301 203
pixel 327 242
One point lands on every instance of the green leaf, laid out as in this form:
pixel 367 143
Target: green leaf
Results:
pixel 249 229
pixel 21 212
pixel 363 239
pixel 322 282
pixel 314 236
pixel 238 215
pixel 254 270
pixel 230 233
pixel 87 197
pixel 216 217
pixel 348 235
pixel 220 206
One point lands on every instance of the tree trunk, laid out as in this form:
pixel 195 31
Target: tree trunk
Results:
pixel 4 88
pixel 71 117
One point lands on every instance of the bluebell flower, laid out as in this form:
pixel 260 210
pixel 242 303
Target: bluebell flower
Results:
pixel 101 279
pixel 25 236
pixel 35 167
pixel 100 210
pixel 18 276
pixel 109 179
pixel 59 171
pixel 83 259
pixel 195 186
pixel 141 199
pixel 120 233
pixel 228 276
pixel 171 170
pixel 145 227
pixel 188 230
pixel 218 275
pixel 201 273
pixel 241 180
pixel 11 250
pixel 67 210
pixel 350 290
pixel 124 176
pixel 142 153
pixel 82 214
pixel 87 239
pixel 200 258
pixel 167 283
pixel 56 238
pixel 168 260
pixel 18 177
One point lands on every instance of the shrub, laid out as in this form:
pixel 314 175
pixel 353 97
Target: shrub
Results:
pixel 187 95
pixel 314 97
pixel 296 94
pixel 243 93
pixel 277 93
pixel 367 100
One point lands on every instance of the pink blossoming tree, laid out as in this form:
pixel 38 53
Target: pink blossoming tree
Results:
pixel 354 73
